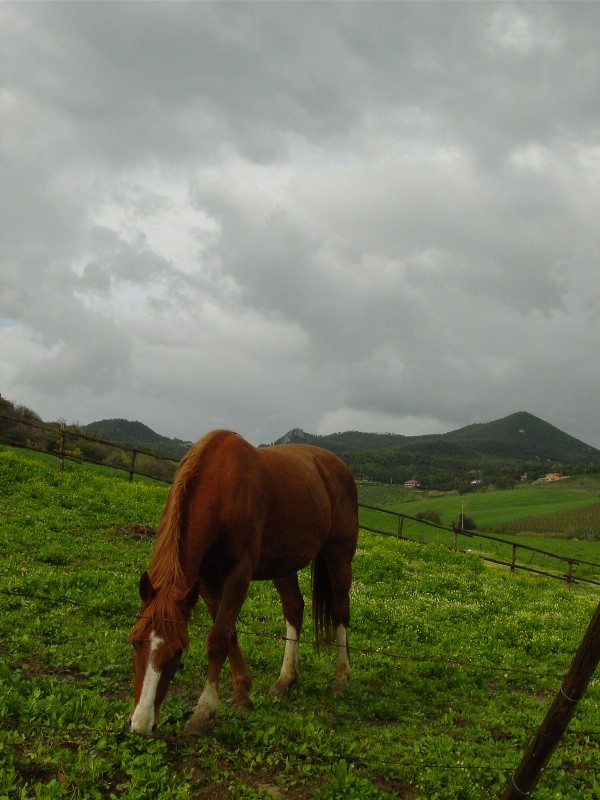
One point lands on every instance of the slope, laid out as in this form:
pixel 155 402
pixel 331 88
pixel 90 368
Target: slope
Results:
pixel 136 434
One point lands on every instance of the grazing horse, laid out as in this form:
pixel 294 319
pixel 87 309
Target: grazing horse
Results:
pixel 237 513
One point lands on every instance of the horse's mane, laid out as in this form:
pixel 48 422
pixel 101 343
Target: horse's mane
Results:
pixel 165 568
pixel 166 572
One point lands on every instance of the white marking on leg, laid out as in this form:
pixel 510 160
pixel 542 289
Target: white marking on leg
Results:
pixel 142 720
pixel 342 664
pixel 289 667
pixel 208 702
pixel 206 710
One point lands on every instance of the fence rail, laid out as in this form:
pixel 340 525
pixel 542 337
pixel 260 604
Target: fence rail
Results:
pixel 62 454
pixel 513 564
pixel 62 434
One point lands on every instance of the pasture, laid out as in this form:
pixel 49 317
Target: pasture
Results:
pixel 491 510
pixel 454 665
pixel 563 518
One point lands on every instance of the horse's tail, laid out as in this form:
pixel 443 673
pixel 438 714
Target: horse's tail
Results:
pixel 321 600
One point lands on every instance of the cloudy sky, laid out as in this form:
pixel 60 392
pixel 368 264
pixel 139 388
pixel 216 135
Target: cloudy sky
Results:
pixel 367 216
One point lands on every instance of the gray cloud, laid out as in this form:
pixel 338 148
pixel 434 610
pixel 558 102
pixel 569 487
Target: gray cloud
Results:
pixel 329 215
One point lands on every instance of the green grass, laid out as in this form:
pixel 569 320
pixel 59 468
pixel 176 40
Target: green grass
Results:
pixel 552 514
pixel 454 666
pixel 491 509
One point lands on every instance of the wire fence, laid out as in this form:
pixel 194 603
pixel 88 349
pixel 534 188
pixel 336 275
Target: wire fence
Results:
pixel 56 440
pixel 455 537
pixel 355 758
pixel 452 537
pixel 387 652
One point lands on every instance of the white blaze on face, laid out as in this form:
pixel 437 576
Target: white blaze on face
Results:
pixel 142 720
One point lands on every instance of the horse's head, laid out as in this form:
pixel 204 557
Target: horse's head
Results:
pixel 159 639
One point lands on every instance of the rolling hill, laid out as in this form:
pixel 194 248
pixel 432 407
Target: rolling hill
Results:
pixel 494 452
pixel 136 434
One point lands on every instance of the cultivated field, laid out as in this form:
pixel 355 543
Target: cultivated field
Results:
pixel 454 666
pixel 562 518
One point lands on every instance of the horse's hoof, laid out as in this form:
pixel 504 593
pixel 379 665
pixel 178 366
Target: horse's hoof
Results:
pixel 279 691
pixel 243 705
pixel 339 685
pixel 199 727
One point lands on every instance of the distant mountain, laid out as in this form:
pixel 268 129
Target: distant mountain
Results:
pixel 136 434
pixel 495 452
pixel 344 443
pixel 522 435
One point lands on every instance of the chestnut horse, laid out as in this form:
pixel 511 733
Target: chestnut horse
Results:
pixel 237 513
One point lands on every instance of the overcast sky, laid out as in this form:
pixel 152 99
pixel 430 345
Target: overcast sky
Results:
pixel 334 216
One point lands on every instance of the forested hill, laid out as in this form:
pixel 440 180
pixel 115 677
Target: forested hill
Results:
pixel 136 434
pixel 523 435
pixel 343 444
pixel 494 452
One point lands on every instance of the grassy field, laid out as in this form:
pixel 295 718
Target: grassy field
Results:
pixel 563 518
pixel 492 509
pixel 454 666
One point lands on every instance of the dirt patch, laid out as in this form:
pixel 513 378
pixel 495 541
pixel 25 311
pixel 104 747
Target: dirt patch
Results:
pixel 392 786
pixel 136 531
pixel 35 669
pixel 498 735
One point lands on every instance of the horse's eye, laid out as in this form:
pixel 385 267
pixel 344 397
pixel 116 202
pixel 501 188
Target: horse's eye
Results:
pixel 178 654
pixel 136 645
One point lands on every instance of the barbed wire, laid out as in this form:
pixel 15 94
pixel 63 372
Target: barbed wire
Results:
pixel 247 631
pixel 352 757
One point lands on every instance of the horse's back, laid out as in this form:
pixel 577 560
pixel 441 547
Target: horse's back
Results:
pixel 282 502
pixel 287 472
pixel 318 468
pixel 313 493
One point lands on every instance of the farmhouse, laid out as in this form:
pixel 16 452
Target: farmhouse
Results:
pixel 412 484
pixel 552 476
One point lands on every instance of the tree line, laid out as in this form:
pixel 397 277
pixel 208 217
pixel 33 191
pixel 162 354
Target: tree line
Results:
pixel 22 427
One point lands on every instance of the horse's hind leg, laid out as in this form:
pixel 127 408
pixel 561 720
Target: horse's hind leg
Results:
pixel 340 576
pixel 293 611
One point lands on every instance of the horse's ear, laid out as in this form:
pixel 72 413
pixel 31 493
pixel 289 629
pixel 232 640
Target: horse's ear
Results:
pixel 147 591
pixel 191 597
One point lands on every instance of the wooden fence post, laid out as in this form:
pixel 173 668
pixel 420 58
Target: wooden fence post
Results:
pixel 514 558
pixel 132 465
pixel 570 574
pixel 559 715
pixel 61 448
pixel 400 525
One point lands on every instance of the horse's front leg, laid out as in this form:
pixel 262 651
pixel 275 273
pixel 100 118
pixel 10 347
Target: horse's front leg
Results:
pixel 240 678
pixel 222 642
